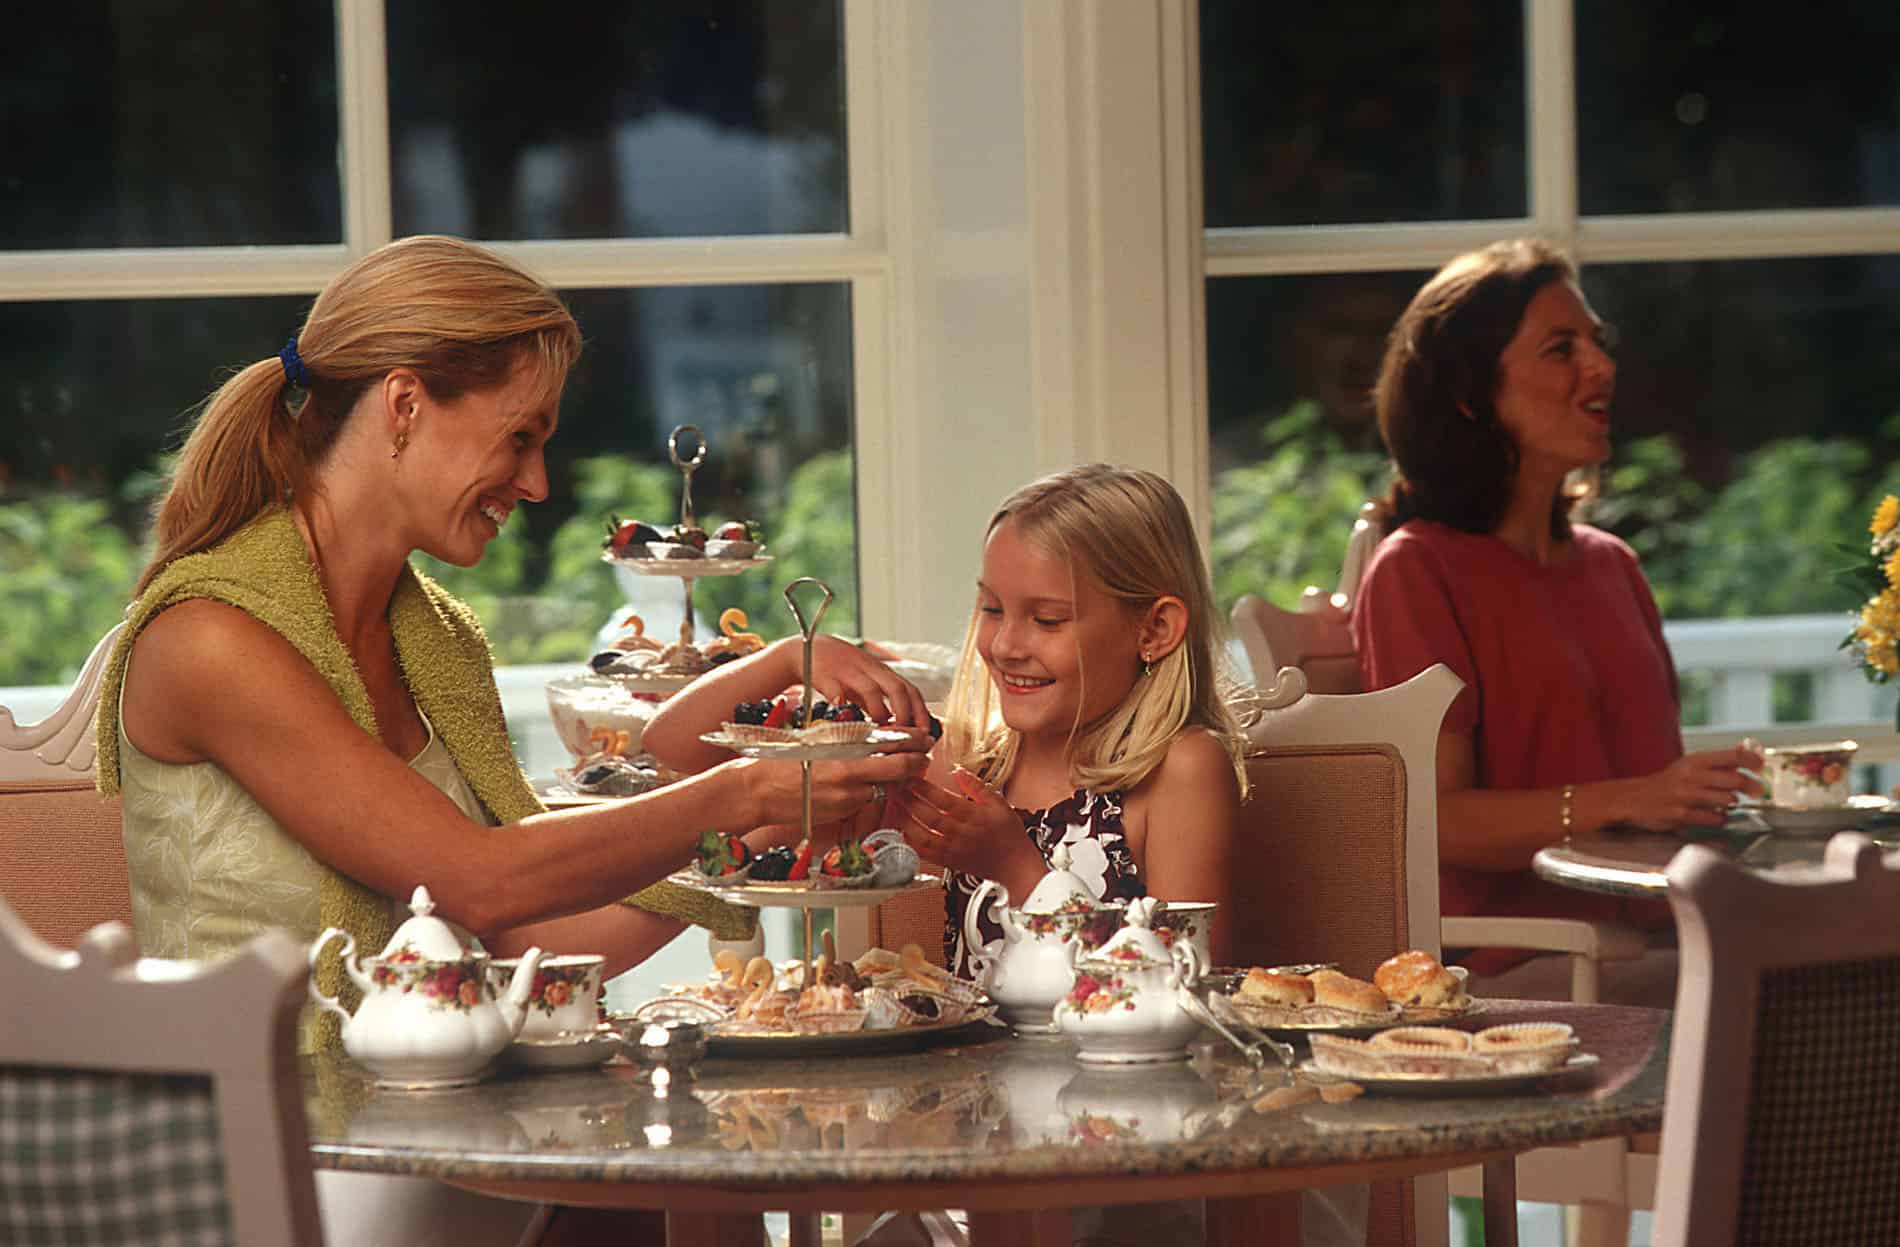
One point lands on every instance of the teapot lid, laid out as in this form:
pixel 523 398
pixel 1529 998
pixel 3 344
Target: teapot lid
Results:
pixel 425 935
pixel 1057 888
pixel 1136 941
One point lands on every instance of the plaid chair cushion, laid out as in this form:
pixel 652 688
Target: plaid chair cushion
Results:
pixel 107 1158
pixel 1821 1163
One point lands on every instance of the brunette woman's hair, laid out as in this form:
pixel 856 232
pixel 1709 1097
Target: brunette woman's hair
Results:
pixel 1453 461
pixel 458 315
pixel 1128 532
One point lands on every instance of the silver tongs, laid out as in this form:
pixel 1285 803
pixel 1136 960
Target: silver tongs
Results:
pixel 1257 1042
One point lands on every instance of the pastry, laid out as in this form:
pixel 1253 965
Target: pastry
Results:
pixel 1416 978
pixel 1348 995
pixel 1276 987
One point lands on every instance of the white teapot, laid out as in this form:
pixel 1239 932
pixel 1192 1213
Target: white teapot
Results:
pixel 1032 965
pixel 428 1016
pixel 1131 1003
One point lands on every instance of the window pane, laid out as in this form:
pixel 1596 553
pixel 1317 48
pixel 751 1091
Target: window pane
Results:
pixel 98 390
pixel 1757 419
pixel 765 372
pixel 640 121
pixel 1362 111
pixel 1709 106
pixel 1294 448
pixel 132 124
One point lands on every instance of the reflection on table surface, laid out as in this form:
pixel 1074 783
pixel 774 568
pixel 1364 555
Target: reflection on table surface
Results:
pixel 1626 862
pixel 1002 1109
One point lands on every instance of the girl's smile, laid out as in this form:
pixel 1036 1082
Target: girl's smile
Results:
pixel 1060 650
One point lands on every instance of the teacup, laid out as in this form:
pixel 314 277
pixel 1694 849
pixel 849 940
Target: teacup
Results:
pixel 1172 920
pixel 1806 777
pixel 565 999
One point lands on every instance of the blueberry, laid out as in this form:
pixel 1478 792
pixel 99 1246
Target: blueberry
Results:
pixel 820 710
pixel 750 712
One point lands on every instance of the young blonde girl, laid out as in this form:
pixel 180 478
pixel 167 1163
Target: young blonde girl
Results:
pixel 1088 707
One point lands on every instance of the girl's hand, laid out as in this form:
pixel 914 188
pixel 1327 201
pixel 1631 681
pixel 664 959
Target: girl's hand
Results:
pixel 1696 790
pixel 846 673
pixel 974 831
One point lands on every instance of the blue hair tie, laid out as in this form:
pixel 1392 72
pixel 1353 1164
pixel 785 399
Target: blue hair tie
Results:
pixel 294 371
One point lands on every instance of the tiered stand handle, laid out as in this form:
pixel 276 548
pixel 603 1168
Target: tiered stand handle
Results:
pixel 807 629
pixel 687 467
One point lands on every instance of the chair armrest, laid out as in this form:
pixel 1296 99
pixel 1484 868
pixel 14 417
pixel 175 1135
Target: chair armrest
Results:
pixel 1599 941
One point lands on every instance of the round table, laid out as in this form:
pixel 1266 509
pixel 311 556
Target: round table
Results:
pixel 1632 863
pixel 1013 1130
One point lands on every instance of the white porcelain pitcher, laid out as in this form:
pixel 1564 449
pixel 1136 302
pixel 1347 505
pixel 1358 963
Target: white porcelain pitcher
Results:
pixel 1032 965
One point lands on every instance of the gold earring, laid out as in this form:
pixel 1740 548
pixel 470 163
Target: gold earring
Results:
pixel 402 440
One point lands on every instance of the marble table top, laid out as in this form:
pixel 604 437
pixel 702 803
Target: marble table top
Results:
pixel 999 1109
pixel 1631 863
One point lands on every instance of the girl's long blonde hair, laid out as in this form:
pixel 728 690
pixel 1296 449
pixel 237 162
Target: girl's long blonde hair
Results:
pixel 1129 532
pixel 461 317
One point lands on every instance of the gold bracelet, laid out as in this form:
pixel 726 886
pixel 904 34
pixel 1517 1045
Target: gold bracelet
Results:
pixel 1570 791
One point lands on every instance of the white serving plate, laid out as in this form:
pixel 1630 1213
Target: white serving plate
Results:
pixel 689 568
pixel 792 751
pixel 1439 1086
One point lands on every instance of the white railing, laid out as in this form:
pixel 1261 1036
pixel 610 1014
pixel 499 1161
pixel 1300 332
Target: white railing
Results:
pixel 1741 660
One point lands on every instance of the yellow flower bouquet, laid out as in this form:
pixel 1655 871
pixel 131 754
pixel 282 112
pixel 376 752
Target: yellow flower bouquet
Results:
pixel 1875 639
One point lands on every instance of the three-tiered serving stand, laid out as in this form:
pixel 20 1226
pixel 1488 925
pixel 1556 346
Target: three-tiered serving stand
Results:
pixel 801 894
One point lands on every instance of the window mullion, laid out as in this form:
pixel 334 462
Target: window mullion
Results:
pixel 1550 99
pixel 362 58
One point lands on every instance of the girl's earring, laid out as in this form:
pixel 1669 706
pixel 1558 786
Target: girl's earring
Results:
pixel 1147 665
pixel 402 440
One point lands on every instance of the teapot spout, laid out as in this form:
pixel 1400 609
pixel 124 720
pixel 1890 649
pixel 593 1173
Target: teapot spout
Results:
pixel 514 1002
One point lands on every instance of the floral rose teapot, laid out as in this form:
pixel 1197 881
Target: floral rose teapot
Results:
pixel 1032 966
pixel 428 1017
pixel 1132 1002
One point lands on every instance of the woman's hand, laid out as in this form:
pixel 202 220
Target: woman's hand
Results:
pixel 1695 790
pixel 839 790
pixel 846 673
pixel 973 830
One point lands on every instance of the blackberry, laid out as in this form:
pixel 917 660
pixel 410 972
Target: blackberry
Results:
pixel 603 660
pixel 773 864
pixel 820 710
pixel 751 711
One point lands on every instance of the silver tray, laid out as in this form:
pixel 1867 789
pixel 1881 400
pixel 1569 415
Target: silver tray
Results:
pixel 1438 1087
pixel 793 751
pixel 979 1025
pixel 692 569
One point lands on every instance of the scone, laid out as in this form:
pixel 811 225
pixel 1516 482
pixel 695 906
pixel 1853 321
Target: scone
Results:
pixel 1416 982
pixel 1276 987
pixel 1346 999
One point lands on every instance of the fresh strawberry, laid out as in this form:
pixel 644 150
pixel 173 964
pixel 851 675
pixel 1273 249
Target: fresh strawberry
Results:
pixel 722 853
pixel 801 865
pixel 733 530
pixel 780 715
pixel 846 861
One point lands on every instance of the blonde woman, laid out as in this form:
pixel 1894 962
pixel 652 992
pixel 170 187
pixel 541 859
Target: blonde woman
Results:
pixel 304 728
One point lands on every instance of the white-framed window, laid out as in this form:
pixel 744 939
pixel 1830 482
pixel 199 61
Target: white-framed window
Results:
pixel 1728 180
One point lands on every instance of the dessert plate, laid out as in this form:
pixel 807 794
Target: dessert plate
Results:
pixel 686 566
pixel 1823 820
pixel 1439 1085
pixel 797 893
pixel 795 751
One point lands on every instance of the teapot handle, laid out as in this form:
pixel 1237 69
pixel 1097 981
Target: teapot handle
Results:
pixel 981 958
pixel 1187 963
pixel 349 947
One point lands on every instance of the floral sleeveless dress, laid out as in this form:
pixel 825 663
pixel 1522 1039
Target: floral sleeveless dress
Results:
pixel 1090 823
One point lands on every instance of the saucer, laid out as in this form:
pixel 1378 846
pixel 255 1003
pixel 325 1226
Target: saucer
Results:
pixel 570 1050
pixel 1823 820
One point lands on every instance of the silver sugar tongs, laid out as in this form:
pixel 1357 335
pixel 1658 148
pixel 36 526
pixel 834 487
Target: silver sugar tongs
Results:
pixel 1252 1047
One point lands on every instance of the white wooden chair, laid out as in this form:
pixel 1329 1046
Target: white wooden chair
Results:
pixel 165 1096
pixel 1340 856
pixel 1781 1120
pixel 62 858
